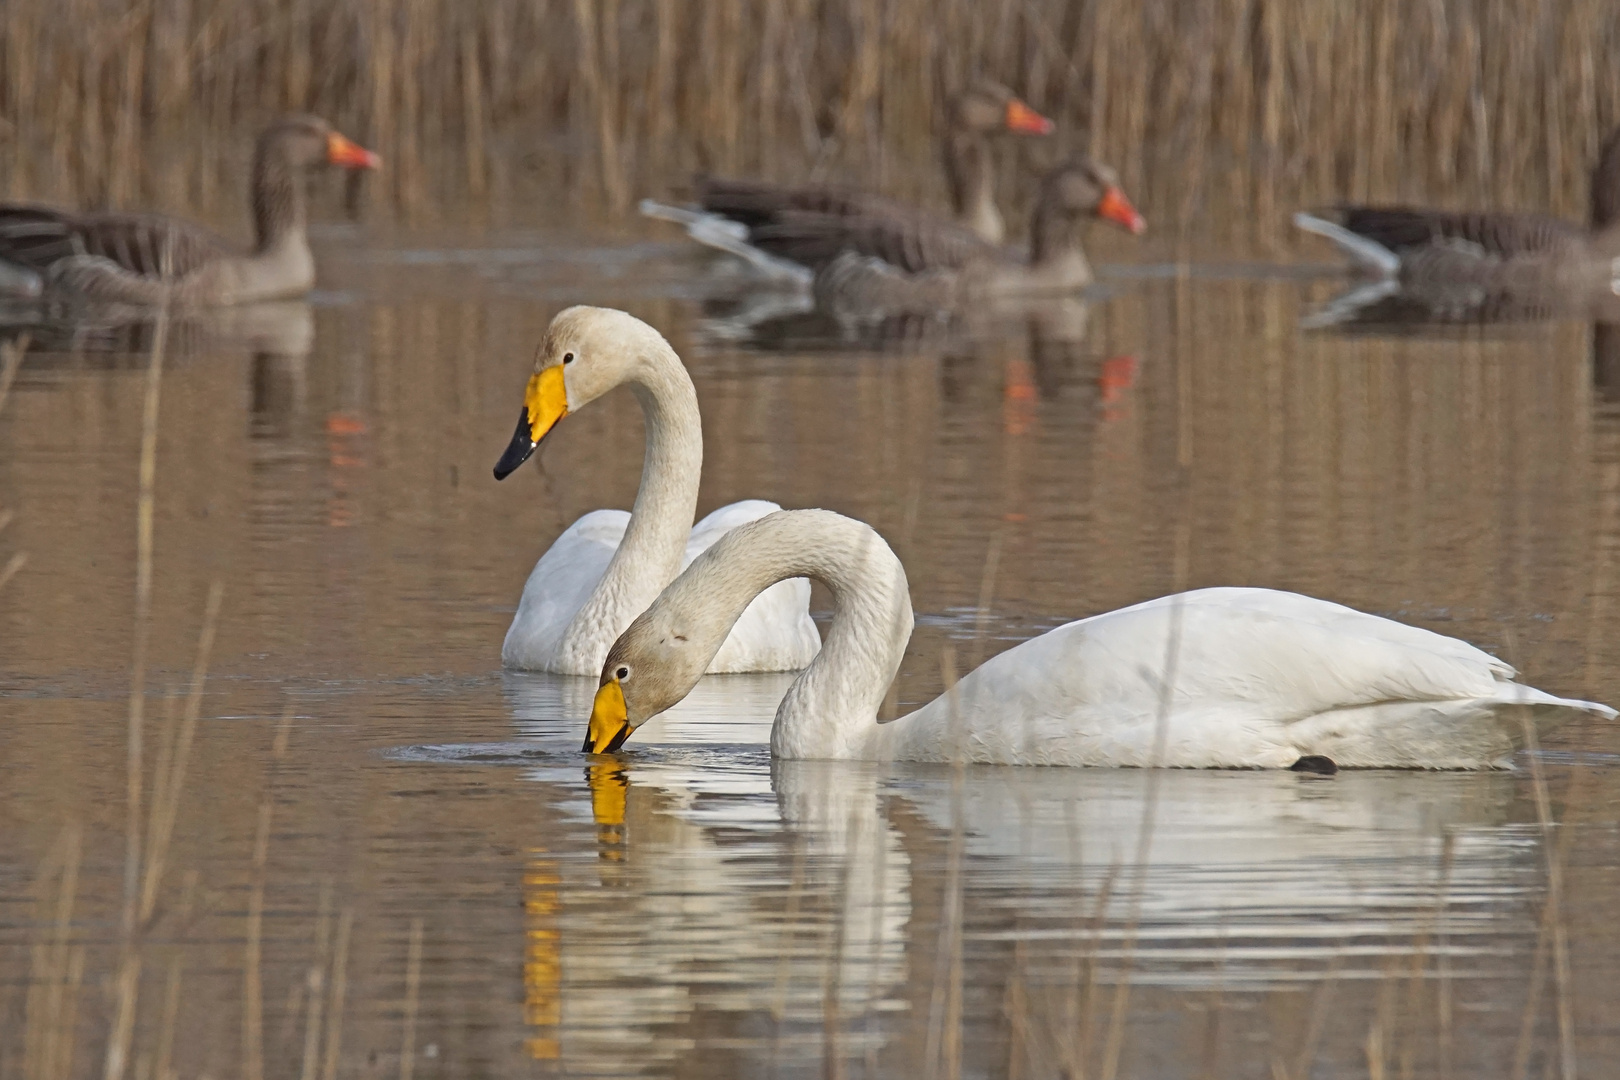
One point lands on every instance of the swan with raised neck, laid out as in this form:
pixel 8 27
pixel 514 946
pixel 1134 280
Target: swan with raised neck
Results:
pixel 1215 678
pixel 587 352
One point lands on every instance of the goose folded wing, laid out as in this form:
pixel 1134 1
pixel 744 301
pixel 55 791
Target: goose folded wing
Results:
pixel 912 242
pixel 756 203
pixel 1504 235
pixel 142 244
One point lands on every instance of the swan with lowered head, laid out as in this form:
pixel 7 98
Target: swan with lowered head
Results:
pixel 1216 678
pixel 609 565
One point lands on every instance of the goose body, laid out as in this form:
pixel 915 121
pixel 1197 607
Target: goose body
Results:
pixel 1216 678
pixel 152 259
pixel 747 217
pixel 609 565
pixel 894 266
pixel 1488 250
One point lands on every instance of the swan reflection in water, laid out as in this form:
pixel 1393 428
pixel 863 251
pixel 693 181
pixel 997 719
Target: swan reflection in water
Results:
pixel 798 897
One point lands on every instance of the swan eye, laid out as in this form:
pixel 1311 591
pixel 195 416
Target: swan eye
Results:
pixel 622 673
pixel 568 358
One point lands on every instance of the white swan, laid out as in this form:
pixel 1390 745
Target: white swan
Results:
pixel 1243 678
pixel 609 565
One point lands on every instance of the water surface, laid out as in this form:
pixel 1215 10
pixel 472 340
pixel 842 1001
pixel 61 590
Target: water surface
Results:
pixel 436 846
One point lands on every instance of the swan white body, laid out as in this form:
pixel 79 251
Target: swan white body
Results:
pixel 609 565
pixel 1217 678
pixel 774 633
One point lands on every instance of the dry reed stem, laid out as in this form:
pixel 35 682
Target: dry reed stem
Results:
pixel 1553 926
pixel 14 564
pixel 164 1068
pixel 128 979
pixel 832 1054
pixel 1144 842
pixel 790 922
pixel 942 1048
pixel 11 358
pixel 51 1007
pixel 340 986
pixel 252 975
pixel 167 786
pixel 413 982
pixel 316 980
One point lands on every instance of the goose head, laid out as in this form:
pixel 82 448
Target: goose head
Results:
pixel 302 142
pixel 586 352
pixel 1085 187
pixel 987 107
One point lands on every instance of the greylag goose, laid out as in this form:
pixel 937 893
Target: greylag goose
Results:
pixel 151 258
pixel 879 264
pixel 732 209
pixel 1491 250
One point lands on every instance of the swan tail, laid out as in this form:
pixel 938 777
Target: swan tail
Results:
pixel 1365 252
pixel 1462 733
pixel 723 234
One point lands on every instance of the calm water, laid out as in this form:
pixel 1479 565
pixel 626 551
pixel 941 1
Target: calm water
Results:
pixel 442 872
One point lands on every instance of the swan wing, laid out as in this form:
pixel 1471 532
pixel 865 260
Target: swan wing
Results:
pixel 1245 678
pixel 558 587
pixel 775 632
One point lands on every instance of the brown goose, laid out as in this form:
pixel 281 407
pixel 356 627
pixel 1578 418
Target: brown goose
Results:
pixel 884 264
pixel 1493 250
pixel 732 209
pixel 150 258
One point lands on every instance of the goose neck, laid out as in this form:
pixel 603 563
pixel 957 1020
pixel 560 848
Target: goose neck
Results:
pixel 970 172
pixel 1606 185
pixel 1054 244
pixel 277 199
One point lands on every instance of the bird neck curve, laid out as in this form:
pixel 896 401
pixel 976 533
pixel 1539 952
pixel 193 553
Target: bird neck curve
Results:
pixel 277 198
pixel 1054 244
pixel 1605 193
pixel 830 711
pixel 654 544
pixel 970 173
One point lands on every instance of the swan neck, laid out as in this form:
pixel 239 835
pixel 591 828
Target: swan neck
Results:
pixel 654 544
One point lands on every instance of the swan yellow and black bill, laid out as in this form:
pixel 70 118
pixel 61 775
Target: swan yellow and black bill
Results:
pixel 610 724
pixel 544 403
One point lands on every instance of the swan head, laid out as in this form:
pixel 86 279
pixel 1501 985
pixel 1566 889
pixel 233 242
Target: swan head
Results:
pixel 654 664
pixel 586 352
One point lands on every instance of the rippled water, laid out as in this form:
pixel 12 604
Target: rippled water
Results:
pixel 443 872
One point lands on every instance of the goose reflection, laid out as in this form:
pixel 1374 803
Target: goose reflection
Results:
pixel 795 896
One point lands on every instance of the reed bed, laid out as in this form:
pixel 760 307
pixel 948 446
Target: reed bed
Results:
pixel 1265 103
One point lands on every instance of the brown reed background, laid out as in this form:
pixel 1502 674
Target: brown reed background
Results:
pixel 1245 104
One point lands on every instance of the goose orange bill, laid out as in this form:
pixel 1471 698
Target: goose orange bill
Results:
pixel 545 402
pixel 1025 120
pixel 350 155
pixel 610 724
pixel 1117 208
